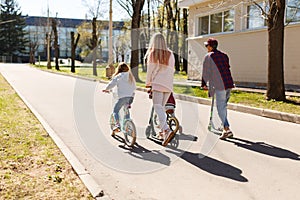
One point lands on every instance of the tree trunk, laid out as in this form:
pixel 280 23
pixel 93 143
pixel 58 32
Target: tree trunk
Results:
pixel 172 36
pixel 275 86
pixel 73 50
pixel 94 45
pixel 134 60
pixel 48 38
pixel 184 42
pixel 135 35
pixel 32 46
pixel 56 48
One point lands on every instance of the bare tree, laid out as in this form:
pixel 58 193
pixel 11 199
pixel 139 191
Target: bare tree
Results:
pixel 56 47
pixel 33 45
pixel 275 16
pixel 276 88
pixel 73 48
pixel 134 9
pixel 172 36
pixel 34 37
pixel 94 7
pixel 184 43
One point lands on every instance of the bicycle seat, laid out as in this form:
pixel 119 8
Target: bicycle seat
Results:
pixel 170 111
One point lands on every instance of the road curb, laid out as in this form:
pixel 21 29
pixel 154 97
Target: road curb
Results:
pixel 282 116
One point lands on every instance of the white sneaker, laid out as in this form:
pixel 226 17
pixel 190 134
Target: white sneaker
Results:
pixel 226 134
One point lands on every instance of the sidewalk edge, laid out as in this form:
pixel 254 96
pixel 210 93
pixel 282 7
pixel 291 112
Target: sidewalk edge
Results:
pixel 282 116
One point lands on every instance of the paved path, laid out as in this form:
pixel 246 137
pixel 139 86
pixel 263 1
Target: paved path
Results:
pixel 261 162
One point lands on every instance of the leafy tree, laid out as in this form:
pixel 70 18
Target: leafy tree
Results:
pixel 12 33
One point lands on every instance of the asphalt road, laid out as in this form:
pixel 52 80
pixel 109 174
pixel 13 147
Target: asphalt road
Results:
pixel 261 161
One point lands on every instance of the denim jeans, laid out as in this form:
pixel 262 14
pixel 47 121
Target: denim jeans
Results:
pixel 121 102
pixel 222 98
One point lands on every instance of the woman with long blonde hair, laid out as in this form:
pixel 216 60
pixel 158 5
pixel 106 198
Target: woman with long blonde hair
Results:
pixel 160 74
pixel 125 83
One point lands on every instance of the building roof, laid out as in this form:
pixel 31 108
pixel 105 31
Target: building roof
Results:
pixel 188 3
pixel 66 22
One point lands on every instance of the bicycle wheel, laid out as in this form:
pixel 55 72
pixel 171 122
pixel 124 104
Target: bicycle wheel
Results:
pixel 129 133
pixel 173 124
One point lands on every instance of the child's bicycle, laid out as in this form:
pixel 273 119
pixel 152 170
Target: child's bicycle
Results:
pixel 127 127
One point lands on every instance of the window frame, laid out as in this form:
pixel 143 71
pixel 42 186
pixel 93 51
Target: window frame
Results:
pixel 297 13
pixel 264 21
pixel 209 24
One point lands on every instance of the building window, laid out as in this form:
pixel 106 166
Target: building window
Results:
pixel 293 11
pixel 203 25
pixel 216 23
pixel 255 16
pixel 228 20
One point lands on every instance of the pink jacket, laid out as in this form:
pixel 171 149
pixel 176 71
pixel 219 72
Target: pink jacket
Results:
pixel 160 77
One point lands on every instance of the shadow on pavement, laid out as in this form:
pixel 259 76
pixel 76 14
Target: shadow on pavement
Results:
pixel 264 148
pixel 142 153
pixel 213 166
pixel 189 137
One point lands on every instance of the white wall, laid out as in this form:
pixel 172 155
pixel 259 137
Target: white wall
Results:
pixel 247 49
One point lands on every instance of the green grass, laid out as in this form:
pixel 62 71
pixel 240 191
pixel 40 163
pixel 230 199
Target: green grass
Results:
pixel 31 165
pixel 292 105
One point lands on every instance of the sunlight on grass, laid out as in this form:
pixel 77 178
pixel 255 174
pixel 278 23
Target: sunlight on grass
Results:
pixel 28 155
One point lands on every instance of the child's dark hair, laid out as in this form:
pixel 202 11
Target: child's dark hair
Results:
pixel 123 67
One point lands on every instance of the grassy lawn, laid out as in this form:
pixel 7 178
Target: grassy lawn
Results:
pixel 292 105
pixel 31 165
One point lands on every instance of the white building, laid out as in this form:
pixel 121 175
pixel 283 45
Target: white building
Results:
pixel 241 30
pixel 37 27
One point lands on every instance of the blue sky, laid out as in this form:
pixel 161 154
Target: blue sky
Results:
pixel 62 9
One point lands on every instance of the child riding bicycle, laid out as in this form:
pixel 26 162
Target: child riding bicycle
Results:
pixel 123 81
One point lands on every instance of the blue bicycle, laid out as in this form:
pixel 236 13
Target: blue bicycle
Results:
pixel 127 127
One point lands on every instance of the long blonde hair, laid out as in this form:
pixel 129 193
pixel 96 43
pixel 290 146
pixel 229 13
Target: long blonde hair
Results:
pixel 158 51
pixel 123 67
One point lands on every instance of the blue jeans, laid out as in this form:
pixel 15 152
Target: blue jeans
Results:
pixel 119 104
pixel 222 98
